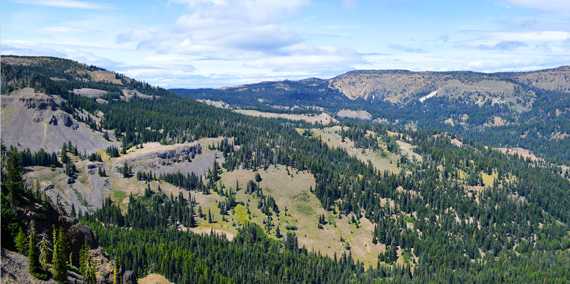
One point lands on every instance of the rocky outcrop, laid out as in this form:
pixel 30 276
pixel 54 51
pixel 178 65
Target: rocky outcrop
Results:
pixel 66 120
pixel 129 278
pixel 15 269
pixel 38 101
pixel 33 120
pixel 78 233
pixel 44 219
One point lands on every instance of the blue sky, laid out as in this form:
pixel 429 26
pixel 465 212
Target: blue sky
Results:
pixel 215 43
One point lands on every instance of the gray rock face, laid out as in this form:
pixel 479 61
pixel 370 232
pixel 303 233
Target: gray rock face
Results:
pixel 53 120
pixel 67 121
pixel 78 233
pixel 33 120
pixel 129 277
pixel 39 102
pixel 186 159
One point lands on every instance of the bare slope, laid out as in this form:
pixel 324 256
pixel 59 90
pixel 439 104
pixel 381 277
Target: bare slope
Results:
pixel 400 87
pixel 33 120
pixel 322 118
pixel 557 79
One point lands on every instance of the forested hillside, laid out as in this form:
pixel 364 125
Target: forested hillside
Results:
pixel 434 206
pixel 528 110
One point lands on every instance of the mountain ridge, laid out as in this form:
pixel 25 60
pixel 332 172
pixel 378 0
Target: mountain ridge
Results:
pixel 483 106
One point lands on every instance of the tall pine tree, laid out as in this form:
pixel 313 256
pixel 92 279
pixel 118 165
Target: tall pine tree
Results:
pixel 33 254
pixel 60 255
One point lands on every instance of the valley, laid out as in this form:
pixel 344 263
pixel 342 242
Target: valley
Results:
pixel 332 186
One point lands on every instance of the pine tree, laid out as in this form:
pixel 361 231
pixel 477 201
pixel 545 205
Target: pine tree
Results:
pixel 116 273
pixel 45 250
pixel 60 256
pixel 33 253
pixel 90 273
pixel 126 170
pixel 278 232
pixel 21 242
pixel 191 221
pixel 83 258
pixel 210 217
pixel 64 157
pixel 13 182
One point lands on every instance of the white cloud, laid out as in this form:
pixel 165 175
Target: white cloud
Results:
pixel 252 11
pixel 68 4
pixel 501 40
pixel 559 8
pixel 63 29
pixel 513 64
pixel 249 32
pixel 19 47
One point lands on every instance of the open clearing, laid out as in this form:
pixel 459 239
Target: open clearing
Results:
pixel 299 208
pixel 381 159
pixel 90 93
pixel 519 151
pixel 322 118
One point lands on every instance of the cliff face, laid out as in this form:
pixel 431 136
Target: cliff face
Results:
pixel 33 120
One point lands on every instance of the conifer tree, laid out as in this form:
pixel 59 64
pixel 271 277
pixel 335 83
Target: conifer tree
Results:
pixel 90 277
pixel 21 242
pixel 13 182
pixel 278 232
pixel 45 250
pixel 126 170
pixel 33 253
pixel 64 157
pixel 60 256
pixel 83 258
pixel 116 273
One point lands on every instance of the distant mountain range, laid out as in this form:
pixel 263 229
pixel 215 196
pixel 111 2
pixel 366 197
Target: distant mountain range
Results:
pixel 496 108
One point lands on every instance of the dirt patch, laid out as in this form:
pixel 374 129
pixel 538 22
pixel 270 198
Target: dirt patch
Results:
pixel 130 94
pixel 520 152
pixel 154 279
pixel 88 92
pixel 208 231
pixel 104 76
pixel 497 121
pixel 218 104
pixel 359 114
pixel 322 118
pixel 456 142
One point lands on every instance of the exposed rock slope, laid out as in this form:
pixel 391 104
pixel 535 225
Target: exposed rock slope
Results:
pixel 33 120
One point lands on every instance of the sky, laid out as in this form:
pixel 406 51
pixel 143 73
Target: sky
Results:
pixel 216 43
